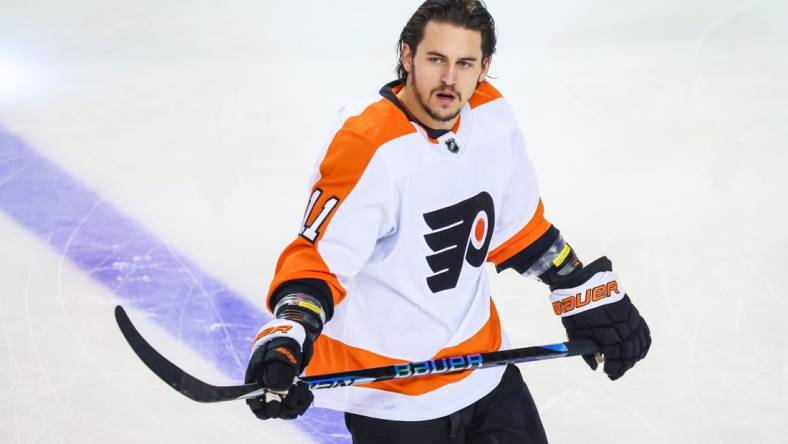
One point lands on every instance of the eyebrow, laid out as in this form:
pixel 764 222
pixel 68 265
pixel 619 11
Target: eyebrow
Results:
pixel 465 59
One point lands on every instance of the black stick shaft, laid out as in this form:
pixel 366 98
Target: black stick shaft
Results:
pixel 200 391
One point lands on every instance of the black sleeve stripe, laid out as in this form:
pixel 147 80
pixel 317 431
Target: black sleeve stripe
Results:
pixel 523 260
pixel 316 288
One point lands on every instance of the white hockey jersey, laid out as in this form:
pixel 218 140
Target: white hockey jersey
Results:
pixel 399 226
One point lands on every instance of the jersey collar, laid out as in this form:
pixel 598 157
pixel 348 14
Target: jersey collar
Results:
pixel 452 142
pixel 389 92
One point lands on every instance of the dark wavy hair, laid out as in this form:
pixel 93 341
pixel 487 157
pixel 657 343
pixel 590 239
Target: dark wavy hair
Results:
pixel 468 14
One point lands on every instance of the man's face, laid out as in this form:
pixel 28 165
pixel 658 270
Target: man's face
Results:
pixel 445 70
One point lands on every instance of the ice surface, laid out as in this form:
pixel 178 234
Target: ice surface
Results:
pixel 157 155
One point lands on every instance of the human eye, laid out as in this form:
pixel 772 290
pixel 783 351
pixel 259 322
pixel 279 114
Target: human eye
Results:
pixel 435 59
pixel 465 64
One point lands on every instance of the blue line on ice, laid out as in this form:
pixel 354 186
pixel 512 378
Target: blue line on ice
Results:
pixel 138 267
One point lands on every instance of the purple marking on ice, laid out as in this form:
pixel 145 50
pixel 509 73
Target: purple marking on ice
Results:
pixel 138 267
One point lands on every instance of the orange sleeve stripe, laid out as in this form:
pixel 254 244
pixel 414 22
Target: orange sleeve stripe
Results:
pixel 299 261
pixel 532 231
pixel 484 93
pixel 333 356
pixel 346 159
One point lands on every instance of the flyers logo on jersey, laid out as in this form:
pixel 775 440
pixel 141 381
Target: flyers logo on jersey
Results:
pixel 461 232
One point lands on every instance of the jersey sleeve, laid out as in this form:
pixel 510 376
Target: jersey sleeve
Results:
pixel 522 234
pixel 350 206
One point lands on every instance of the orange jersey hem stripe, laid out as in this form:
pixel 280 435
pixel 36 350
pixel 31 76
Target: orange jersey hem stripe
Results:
pixel 332 355
pixel 532 231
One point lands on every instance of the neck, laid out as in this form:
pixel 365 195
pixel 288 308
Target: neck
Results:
pixel 408 99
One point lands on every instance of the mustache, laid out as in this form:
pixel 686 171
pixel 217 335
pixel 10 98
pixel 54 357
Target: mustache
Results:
pixel 444 90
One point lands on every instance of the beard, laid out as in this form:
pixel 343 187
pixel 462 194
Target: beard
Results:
pixel 435 114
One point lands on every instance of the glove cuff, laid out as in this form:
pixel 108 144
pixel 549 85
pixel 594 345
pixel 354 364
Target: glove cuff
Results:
pixel 602 288
pixel 280 328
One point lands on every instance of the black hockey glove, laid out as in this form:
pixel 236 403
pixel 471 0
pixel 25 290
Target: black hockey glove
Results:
pixel 280 353
pixel 593 305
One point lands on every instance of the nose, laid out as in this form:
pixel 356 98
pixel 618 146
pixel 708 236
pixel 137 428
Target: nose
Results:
pixel 449 76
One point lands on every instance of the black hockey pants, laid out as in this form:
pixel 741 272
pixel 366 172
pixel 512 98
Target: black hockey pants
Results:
pixel 506 415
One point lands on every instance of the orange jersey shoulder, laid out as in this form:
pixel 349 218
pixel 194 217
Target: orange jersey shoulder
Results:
pixel 484 93
pixel 348 154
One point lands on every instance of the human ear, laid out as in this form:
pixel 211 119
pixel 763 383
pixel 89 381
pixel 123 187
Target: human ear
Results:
pixel 485 69
pixel 407 57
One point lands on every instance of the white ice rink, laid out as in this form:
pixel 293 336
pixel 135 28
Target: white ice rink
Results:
pixel 659 130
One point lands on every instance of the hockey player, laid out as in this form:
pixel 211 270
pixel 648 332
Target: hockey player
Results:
pixel 415 190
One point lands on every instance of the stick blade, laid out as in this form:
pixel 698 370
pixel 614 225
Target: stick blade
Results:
pixel 170 373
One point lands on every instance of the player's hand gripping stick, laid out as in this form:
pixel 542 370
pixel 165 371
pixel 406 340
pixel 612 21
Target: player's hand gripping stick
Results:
pixel 278 357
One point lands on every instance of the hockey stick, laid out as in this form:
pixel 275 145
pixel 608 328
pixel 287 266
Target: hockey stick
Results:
pixel 200 391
